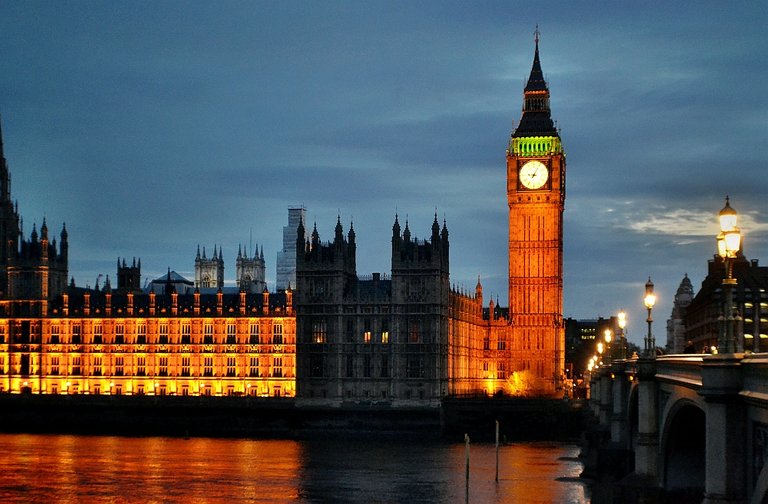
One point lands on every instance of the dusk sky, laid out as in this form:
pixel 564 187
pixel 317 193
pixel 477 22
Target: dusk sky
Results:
pixel 152 127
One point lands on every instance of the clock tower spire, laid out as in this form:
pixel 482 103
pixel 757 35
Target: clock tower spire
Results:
pixel 536 199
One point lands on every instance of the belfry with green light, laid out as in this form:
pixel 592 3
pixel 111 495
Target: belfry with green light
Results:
pixel 536 200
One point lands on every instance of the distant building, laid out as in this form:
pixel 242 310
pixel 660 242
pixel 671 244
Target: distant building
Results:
pixel 251 271
pixel 128 277
pixel 32 271
pixel 581 337
pixel 676 341
pixel 209 273
pixel 703 319
pixel 170 283
pixel 286 258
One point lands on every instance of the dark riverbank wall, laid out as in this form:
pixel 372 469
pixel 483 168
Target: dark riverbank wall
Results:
pixel 281 418
pixel 519 419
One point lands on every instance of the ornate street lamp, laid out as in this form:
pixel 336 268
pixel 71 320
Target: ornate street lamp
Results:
pixel 623 339
pixel 649 300
pixel 728 246
pixel 607 336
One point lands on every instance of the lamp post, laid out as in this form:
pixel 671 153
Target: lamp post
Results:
pixel 623 340
pixel 649 300
pixel 608 335
pixel 728 246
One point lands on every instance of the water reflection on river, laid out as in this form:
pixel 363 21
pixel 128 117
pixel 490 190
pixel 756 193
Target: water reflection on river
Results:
pixel 56 468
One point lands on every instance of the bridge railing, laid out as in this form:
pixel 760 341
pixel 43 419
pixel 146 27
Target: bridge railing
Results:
pixel 755 386
pixel 684 370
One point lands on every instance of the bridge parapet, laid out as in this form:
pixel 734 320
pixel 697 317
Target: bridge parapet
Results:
pixel 755 384
pixel 680 370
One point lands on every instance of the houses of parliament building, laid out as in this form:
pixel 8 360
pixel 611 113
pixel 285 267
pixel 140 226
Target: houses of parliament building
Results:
pixel 331 335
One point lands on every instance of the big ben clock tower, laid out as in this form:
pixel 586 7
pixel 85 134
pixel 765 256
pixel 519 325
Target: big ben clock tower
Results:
pixel 536 198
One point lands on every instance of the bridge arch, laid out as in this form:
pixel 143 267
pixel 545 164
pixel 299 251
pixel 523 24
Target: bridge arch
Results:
pixel 683 450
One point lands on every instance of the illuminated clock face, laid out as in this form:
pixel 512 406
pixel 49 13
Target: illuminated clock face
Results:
pixel 533 174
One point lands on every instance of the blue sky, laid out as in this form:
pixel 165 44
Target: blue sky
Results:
pixel 152 127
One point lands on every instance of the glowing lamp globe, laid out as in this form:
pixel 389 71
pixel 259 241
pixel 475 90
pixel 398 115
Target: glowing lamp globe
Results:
pixel 650 297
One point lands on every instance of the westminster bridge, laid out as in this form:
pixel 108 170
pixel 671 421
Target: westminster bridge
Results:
pixel 694 426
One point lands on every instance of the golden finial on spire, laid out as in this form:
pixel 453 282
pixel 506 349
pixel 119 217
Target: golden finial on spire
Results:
pixel 536 34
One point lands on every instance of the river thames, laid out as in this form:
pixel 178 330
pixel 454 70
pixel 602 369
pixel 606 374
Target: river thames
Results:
pixel 65 468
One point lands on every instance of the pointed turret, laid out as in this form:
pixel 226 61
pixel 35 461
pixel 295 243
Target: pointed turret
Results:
pixel 396 228
pixel 351 234
pixel 315 236
pixel 536 80
pixel 64 246
pixel 338 238
pixel 5 175
pixel 536 120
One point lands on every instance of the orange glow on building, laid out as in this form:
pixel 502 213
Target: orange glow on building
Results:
pixel 114 353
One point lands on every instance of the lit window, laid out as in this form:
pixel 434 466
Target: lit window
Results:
pixel 318 331
pixel 254 338
pixel 54 334
pixel 98 334
pixel 186 333
pixel 277 334
pixel 254 367
pixel 119 334
pixel 163 338
pixel 231 366
pixel 76 330
pixel 76 366
pixel 141 334
pixel 208 334
pixel 231 334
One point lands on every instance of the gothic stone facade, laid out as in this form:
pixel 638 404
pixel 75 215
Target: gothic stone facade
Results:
pixel 376 338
